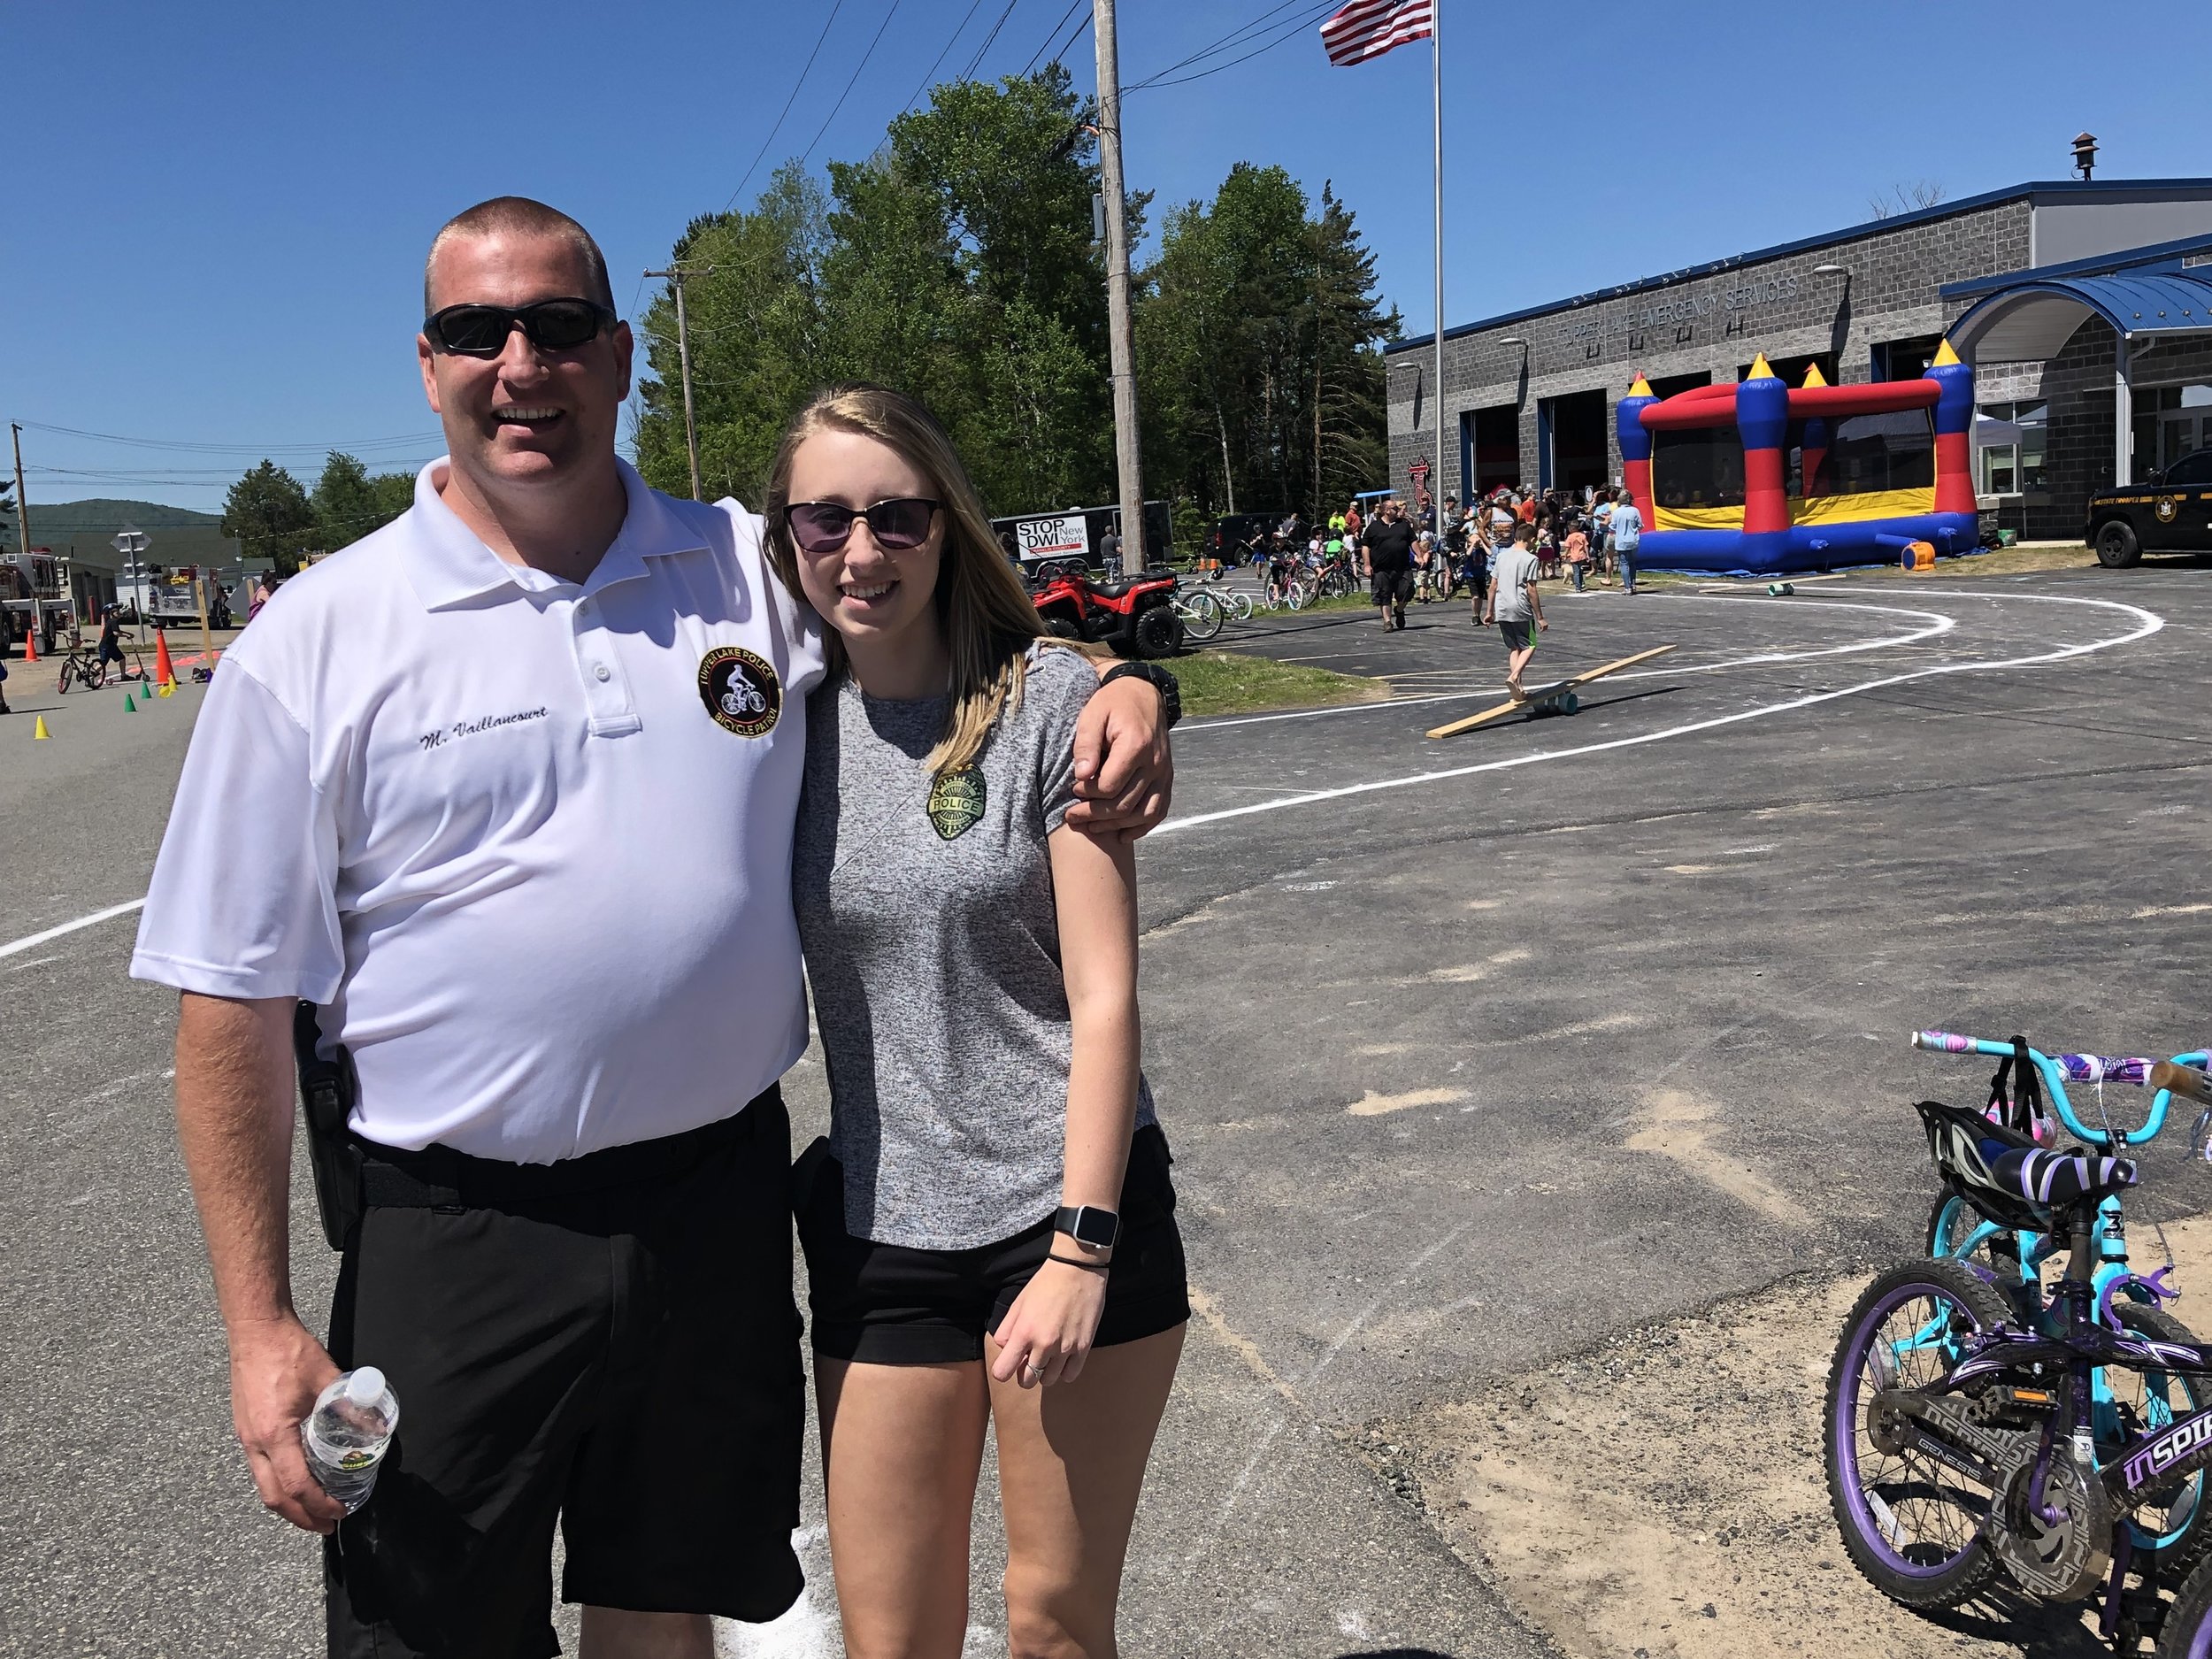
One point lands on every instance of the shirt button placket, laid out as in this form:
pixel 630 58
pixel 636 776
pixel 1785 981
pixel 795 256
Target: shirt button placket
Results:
pixel 606 689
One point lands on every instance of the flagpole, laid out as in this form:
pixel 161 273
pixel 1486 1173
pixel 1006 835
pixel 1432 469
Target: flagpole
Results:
pixel 1436 87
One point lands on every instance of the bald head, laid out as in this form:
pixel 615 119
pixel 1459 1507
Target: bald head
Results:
pixel 519 215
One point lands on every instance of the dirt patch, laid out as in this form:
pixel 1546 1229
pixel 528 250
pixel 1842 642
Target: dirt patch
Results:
pixel 1663 1497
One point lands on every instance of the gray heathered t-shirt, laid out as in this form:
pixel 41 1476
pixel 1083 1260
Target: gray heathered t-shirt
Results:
pixel 1510 578
pixel 933 948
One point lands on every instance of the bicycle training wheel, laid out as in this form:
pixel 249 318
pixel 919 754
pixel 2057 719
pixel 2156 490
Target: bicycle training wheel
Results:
pixel 1911 1524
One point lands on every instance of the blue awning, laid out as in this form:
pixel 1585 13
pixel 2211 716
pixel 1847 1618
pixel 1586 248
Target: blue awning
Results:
pixel 2031 317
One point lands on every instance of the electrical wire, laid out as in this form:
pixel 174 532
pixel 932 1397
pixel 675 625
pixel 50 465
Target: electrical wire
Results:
pixel 1242 35
pixel 968 73
pixel 409 439
pixel 930 75
pixel 788 103
pixel 1297 27
pixel 850 84
pixel 1051 35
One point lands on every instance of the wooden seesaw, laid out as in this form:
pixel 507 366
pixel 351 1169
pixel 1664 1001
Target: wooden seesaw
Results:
pixel 1547 700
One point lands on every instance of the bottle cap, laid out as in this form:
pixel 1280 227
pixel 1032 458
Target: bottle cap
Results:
pixel 364 1386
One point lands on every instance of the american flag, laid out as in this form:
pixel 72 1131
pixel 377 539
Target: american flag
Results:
pixel 1368 28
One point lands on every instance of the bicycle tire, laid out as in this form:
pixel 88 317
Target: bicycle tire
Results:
pixel 1928 1571
pixel 2187 1631
pixel 1201 615
pixel 94 677
pixel 1239 602
pixel 2178 1534
pixel 61 680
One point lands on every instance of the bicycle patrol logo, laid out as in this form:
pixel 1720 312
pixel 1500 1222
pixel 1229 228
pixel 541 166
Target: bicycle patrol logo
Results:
pixel 740 691
pixel 955 803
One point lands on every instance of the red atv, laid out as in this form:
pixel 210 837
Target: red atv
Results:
pixel 1136 617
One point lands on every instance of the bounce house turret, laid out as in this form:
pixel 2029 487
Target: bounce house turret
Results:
pixel 1953 419
pixel 1763 419
pixel 1820 432
pixel 1636 445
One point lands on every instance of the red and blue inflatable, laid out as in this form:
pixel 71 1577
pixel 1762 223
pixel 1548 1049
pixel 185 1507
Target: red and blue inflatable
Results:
pixel 1757 478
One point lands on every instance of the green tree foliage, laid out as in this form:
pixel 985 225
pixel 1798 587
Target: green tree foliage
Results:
pixel 956 262
pixel 349 503
pixel 1258 350
pixel 270 516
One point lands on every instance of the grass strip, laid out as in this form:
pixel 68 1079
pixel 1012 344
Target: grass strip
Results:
pixel 1230 683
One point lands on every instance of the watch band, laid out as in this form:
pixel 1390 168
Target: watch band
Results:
pixel 1086 1224
pixel 1171 689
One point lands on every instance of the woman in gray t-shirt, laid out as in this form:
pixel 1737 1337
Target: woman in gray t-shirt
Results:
pixel 990 1215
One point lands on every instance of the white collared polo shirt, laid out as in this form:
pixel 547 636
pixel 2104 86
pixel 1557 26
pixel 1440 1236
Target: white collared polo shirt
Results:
pixel 527 842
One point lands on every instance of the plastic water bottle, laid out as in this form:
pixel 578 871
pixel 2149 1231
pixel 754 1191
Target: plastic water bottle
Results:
pixel 346 1434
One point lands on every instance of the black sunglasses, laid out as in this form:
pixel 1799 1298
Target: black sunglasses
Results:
pixel 823 527
pixel 481 331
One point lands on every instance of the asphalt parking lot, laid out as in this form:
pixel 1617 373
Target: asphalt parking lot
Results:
pixel 1474 1053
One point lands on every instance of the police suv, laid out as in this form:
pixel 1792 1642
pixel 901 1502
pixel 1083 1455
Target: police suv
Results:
pixel 2168 512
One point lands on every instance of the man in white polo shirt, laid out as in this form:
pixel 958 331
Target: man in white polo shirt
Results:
pixel 517 774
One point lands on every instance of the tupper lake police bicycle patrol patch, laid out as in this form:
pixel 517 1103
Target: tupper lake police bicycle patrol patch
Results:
pixel 955 803
pixel 740 691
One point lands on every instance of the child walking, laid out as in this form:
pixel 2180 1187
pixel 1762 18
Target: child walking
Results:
pixel 1514 605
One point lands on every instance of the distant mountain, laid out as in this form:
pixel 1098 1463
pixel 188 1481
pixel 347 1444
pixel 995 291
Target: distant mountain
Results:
pixel 61 520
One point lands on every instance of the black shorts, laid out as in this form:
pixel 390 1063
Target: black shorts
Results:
pixel 624 1359
pixel 1393 588
pixel 884 1304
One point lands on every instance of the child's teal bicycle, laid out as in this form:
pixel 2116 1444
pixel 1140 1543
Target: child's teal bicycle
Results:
pixel 2180 1527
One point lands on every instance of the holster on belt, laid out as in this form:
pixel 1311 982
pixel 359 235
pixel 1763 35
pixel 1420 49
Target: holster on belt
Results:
pixel 327 1089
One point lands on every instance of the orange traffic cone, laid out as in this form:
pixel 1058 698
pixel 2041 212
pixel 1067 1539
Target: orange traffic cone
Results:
pixel 30 644
pixel 164 673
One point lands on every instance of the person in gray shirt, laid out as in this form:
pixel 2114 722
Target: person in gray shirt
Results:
pixel 1514 605
pixel 991 1214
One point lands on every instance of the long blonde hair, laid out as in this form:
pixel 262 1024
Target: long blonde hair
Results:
pixel 986 614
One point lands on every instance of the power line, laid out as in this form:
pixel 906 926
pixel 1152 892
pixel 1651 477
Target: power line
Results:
pixel 788 103
pixel 931 74
pixel 1074 35
pixel 1296 26
pixel 1051 35
pixel 968 73
pixel 1240 36
pixel 847 92
pixel 410 440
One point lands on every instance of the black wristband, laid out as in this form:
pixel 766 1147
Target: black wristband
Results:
pixel 1170 688
pixel 1088 1267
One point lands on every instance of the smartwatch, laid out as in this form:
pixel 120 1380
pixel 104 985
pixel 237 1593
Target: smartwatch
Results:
pixel 1170 688
pixel 1087 1225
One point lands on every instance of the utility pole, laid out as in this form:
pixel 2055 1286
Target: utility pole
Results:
pixel 676 275
pixel 1121 347
pixel 22 508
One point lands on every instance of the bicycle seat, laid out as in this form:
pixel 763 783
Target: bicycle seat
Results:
pixel 2008 1177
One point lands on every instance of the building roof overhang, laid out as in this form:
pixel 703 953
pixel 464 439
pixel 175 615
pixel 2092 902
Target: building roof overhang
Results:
pixel 2164 290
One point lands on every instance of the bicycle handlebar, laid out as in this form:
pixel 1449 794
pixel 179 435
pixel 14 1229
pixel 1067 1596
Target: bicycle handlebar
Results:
pixel 2061 1069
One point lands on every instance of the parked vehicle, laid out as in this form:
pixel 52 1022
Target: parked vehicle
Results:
pixel 2168 512
pixel 1032 539
pixel 1136 617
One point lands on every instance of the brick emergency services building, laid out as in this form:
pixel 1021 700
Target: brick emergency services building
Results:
pixel 1528 397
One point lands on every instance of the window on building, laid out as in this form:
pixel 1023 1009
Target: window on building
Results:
pixel 1702 467
pixel 2171 421
pixel 1893 451
pixel 2011 446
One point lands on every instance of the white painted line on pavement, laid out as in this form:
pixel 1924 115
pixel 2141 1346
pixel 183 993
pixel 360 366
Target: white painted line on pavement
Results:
pixel 1937 623
pixel 2151 623
pixel 31 942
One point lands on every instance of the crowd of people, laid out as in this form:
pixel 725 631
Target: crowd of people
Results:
pixel 1586 537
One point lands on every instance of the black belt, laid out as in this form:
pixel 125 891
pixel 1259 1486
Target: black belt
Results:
pixel 438 1177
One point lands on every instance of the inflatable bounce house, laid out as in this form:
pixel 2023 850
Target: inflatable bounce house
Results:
pixel 1758 478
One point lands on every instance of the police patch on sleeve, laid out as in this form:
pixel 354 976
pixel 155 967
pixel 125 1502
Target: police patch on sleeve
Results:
pixel 955 803
pixel 740 691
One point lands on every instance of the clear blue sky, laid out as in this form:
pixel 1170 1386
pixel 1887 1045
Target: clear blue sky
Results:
pixel 217 213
